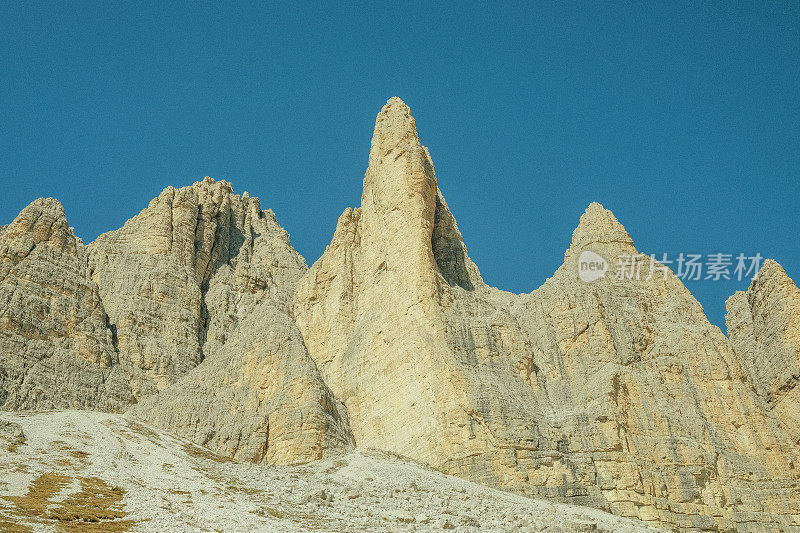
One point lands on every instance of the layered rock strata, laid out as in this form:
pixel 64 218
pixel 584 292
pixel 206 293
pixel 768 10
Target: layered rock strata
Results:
pixel 617 393
pixel 56 351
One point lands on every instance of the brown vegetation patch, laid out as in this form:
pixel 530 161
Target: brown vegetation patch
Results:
pixel 144 431
pixel 12 527
pixel 35 502
pixel 95 507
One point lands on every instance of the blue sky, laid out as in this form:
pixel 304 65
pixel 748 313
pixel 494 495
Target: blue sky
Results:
pixel 683 118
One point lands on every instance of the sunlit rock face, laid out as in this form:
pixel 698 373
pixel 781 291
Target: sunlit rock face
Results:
pixel 178 278
pixel 198 289
pixel 764 326
pixel 606 387
pixel 56 351
pixel 615 393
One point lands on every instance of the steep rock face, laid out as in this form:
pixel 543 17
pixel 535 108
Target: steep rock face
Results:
pixel 616 393
pixel 198 287
pixel 368 308
pixel 764 326
pixel 259 398
pixel 55 348
pixel 649 412
pixel 177 278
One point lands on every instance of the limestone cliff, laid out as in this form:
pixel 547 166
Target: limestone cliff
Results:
pixel 764 326
pixel 612 391
pixel 198 287
pixel 369 308
pixel 617 393
pixel 55 349
pixel 259 398
pixel 177 278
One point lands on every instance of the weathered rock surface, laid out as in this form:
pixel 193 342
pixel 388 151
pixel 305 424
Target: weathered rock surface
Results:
pixel 11 434
pixel 198 287
pixel 645 400
pixel 55 348
pixel 764 326
pixel 177 278
pixel 617 394
pixel 368 308
pixel 259 398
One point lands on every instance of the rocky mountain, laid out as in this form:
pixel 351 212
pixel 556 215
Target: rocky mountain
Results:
pixel 615 392
pixel 56 349
pixel 177 279
pixel 764 326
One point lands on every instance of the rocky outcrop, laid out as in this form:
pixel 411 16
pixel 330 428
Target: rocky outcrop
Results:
pixel 764 326
pixel 198 287
pixel 259 399
pixel 368 308
pixel 647 411
pixel 11 434
pixel 178 278
pixel 71 488
pixel 55 348
pixel 606 387
pixel 616 393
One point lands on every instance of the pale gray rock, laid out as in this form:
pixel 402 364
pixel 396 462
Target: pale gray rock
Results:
pixel 166 484
pixel 56 350
pixel 198 288
pixel 612 391
pixel 258 398
pixel 11 433
pixel 177 278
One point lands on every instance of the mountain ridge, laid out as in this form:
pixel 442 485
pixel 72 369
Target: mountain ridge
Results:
pixel 615 393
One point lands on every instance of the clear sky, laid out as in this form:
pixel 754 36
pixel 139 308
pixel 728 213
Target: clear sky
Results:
pixel 683 118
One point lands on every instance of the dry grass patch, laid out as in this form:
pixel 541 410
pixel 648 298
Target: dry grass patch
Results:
pixel 95 507
pixel 13 527
pixel 43 488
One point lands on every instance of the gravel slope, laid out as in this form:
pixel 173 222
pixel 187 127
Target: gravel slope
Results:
pixel 121 475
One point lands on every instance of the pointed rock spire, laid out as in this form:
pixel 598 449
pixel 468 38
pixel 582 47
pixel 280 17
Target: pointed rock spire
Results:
pixel 43 220
pixel 394 130
pixel 400 182
pixel 771 271
pixel 367 308
pixel 598 225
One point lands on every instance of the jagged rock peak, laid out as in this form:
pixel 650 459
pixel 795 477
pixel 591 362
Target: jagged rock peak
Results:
pixel 209 181
pixel 55 348
pixel 395 130
pixel 193 262
pixel 771 270
pixel 764 326
pixel 43 220
pixel 599 226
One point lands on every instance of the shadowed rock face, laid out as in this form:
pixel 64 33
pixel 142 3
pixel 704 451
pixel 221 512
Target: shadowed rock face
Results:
pixel 260 398
pixel 198 287
pixel 177 278
pixel 615 393
pixel 55 349
pixel 764 326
